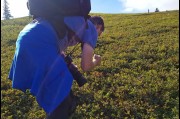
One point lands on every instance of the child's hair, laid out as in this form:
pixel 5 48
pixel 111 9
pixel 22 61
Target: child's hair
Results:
pixel 97 20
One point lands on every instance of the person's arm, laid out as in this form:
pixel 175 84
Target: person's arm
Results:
pixel 88 59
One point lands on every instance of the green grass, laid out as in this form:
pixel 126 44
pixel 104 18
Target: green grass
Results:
pixel 138 76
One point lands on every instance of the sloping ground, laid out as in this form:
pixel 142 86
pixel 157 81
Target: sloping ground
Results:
pixel 138 77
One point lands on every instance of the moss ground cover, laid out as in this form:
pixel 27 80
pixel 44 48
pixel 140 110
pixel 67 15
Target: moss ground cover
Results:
pixel 138 77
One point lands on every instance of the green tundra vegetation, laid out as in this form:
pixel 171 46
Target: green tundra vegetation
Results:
pixel 138 76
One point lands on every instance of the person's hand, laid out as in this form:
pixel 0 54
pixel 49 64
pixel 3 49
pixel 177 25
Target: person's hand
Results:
pixel 97 59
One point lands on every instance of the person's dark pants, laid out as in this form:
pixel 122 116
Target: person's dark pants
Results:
pixel 65 109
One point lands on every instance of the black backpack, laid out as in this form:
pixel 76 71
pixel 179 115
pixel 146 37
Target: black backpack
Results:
pixel 56 10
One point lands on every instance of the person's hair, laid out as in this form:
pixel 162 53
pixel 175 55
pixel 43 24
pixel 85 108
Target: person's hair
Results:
pixel 97 20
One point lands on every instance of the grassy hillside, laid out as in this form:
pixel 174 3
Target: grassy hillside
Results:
pixel 138 77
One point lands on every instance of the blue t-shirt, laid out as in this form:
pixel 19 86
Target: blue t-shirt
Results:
pixel 78 25
pixel 38 66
